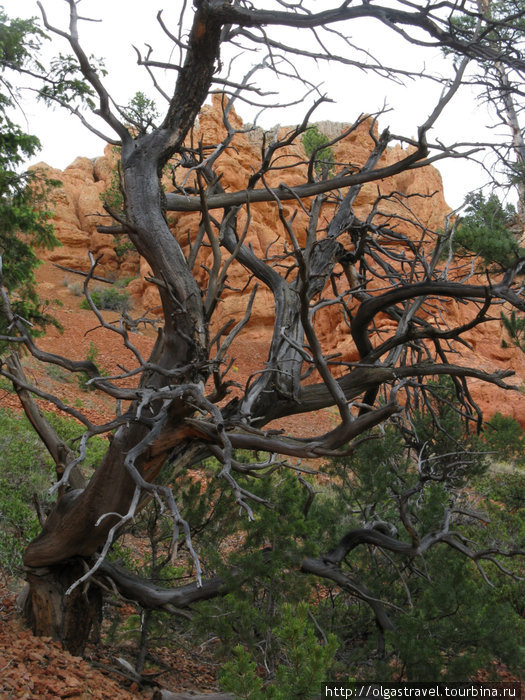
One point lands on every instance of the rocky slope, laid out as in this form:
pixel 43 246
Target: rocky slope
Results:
pixel 78 211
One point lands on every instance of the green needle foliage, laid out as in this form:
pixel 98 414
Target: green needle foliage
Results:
pixel 278 632
pixel 449 623
pixel 506 438
pixel 485 231
pixel 306 661
pixel 141 113
pixel 515 327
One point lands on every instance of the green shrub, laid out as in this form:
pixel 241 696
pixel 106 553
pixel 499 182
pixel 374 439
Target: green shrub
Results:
pixel 442 608
pixel 123 245
pixel 458 624
pixel 56 373
pixel 110 299
pixel 240 677
pixel 305 662
pixel 124 281
pixel 25 472
pixel 313 142
pixel 505 436
pixel 515 327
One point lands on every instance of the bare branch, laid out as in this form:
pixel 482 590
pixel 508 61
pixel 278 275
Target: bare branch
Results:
pixel 88 71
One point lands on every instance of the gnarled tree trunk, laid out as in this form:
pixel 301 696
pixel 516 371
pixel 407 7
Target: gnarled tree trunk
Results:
pixel 69 619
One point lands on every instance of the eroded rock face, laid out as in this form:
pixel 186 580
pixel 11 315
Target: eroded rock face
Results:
pixel 79 210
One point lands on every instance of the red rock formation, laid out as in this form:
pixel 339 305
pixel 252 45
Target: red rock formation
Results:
pixel 78 211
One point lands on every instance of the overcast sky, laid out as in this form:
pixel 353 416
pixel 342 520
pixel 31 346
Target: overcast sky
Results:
pixel 130 22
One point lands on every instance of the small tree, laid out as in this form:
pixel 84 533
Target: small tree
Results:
pixel 498 26
pixel 484 231
pixel 24 210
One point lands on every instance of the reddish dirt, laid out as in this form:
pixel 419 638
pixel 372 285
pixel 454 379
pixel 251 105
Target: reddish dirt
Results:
pixel 37 668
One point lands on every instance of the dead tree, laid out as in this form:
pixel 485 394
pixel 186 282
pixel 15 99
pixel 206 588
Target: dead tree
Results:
pixel 179 409
pixel 500 84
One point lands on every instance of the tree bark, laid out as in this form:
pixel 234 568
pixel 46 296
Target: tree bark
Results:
pixel 69 619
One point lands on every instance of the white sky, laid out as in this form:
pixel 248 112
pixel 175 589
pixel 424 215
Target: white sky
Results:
pixel 128 22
